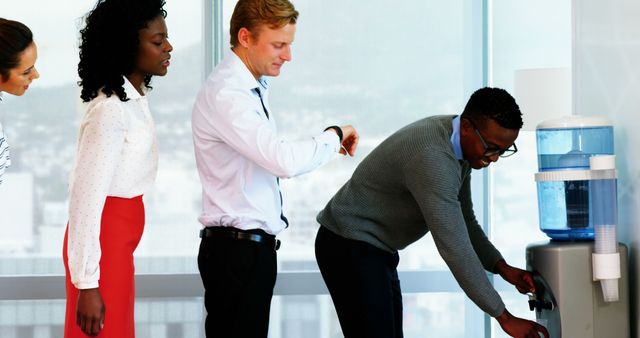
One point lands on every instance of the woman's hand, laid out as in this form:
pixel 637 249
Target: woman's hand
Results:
pixel 90 311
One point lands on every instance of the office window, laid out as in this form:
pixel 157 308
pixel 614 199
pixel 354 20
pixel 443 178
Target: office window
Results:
pixel 314 316
pixel 376 77
pixel 174 318
pixel 547 28
pixel 363 65
pixel 42 128
pixel 349 66
pixel 378 67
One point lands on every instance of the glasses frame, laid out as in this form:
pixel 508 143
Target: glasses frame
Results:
pixel 489 151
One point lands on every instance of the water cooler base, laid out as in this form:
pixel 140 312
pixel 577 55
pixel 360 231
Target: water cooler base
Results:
pixel 579 310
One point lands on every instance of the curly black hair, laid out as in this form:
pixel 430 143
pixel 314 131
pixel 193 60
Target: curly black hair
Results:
pixel 109 44
pixel 15 37
pixel 496 104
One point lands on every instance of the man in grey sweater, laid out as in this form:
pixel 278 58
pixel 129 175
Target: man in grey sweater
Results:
pixel 418 181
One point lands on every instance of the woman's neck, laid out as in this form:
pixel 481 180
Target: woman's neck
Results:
pixel 137 80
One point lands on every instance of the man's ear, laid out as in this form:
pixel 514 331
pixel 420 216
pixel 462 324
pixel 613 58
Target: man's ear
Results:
pixel 244 37
pixel 466 128
pixel 465 124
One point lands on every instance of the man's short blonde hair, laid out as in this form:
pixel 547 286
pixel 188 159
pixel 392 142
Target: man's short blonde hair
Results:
pixel 251 14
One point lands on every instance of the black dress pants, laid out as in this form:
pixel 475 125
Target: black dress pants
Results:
pixel 238 278
pixel 364 286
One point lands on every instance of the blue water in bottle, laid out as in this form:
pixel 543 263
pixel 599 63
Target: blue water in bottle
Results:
pixel 563 206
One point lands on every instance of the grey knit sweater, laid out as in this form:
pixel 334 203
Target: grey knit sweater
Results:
pixel 409 185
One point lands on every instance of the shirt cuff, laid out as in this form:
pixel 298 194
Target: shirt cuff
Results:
pixel 86 285
pixel 329 138
pixel 338 131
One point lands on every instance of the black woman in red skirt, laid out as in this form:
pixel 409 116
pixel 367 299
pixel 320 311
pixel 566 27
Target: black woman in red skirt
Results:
pixel 123 44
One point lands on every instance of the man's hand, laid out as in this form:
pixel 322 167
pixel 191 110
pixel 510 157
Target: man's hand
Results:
pixel 349 140
pixel 521 279
pixel 90 311
pixel 520 328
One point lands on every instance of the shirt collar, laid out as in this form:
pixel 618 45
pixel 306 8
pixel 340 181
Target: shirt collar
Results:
pixel 245 79
pixel 131 91
pixel 264 84
pixel 455 137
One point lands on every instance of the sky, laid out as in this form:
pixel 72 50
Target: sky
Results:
pixel 57 23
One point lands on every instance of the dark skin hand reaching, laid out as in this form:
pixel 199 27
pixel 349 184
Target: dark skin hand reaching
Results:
pixel 90 311
pixel 523 281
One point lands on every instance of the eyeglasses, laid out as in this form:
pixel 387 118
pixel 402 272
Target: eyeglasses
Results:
pixel 493 151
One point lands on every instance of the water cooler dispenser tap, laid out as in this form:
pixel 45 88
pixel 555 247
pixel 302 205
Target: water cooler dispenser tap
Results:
pixel 542 298
pixel 539 304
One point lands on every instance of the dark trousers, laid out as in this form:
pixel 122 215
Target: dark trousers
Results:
pixel 238 278
pixel 364 286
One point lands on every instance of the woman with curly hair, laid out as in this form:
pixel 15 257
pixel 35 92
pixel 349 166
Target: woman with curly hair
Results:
pixel 123 44
pixel 18 56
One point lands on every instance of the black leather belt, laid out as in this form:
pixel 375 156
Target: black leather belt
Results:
pixel 256 235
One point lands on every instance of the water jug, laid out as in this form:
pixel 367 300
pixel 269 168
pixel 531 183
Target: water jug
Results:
pixel 564 188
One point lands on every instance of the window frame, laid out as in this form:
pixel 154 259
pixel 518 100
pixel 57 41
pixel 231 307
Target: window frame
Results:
pixel 160 286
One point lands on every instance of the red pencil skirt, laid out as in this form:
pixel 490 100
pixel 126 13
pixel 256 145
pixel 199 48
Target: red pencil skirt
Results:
pixel 121 228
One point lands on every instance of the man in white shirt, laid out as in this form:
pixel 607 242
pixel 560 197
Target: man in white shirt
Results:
pixel 240 158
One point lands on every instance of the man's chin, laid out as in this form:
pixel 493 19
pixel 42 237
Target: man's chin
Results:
pixel 478 165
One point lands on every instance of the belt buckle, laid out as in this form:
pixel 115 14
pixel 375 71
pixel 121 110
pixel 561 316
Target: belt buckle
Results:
pixel 276 244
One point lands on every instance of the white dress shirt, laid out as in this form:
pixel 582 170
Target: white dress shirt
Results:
pixel 117 156
pixel 239 154
pixel 5 157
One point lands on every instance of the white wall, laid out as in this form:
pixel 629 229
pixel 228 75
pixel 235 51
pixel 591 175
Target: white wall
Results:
pixel 607 81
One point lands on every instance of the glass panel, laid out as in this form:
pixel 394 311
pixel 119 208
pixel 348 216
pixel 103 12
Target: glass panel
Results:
pixel 170 241
pixel 174 318
pixel 547 26
pixel 42 128
pixel 313 93
pixel 440 314
pixel 31 319
pixel 377 77
pixel 348 68
pixel 514 220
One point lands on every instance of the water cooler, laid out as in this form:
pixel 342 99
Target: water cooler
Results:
pixel 581 273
